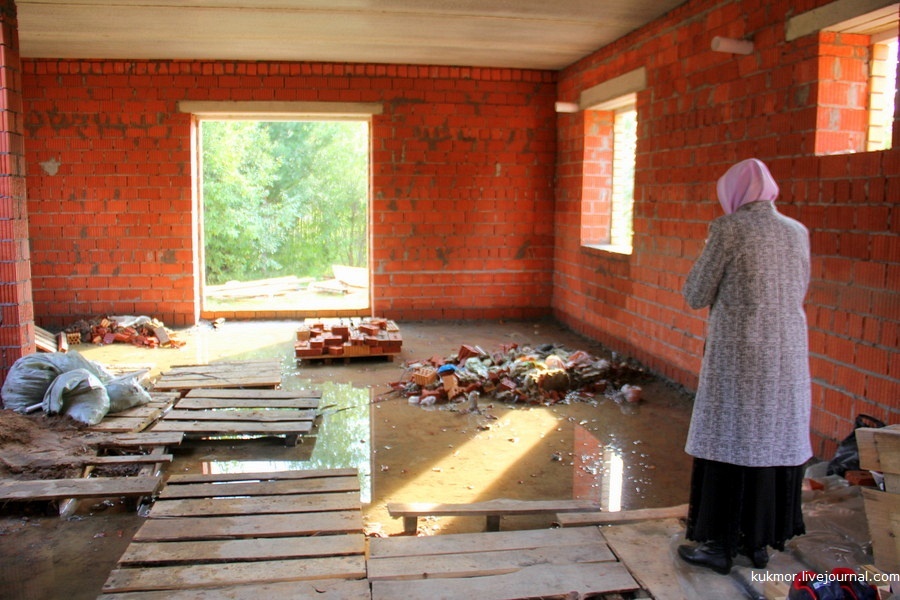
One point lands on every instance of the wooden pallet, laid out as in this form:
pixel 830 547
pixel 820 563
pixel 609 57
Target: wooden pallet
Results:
pixel 295 534
pixel 213 412
pixel 345 359
pixel 264 373
pixel 502 565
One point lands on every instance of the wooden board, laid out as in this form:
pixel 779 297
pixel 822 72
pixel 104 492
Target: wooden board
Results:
pixel 196 404
pixel 216 428
pixel 879 450
pixel 213 551
pixel 242 415
pixel 321 589
pixel 141 439
pixel 180 478
pixel 460 543
pixel 621 517
pixel 210 575
pixel 528 582
pixel 97 487
pixel 253 394
pixel 255 504
pixel 250 526
pixel 883 516
pixel 261 488
pixel 491 509
pixel 647 549
pixel 235 374
pixel 128 459
pixel 46 341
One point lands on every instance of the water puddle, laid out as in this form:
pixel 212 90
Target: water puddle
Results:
pixel 620 457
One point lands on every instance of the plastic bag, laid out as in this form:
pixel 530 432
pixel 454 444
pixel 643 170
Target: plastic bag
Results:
pixel 79 394
pixel 847 456
pixel 126 392
pixel 31 375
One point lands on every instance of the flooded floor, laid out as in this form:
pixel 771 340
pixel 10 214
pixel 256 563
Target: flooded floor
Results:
pixel 624 456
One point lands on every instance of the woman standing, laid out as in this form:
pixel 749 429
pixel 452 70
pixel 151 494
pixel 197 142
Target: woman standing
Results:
pixel 749 432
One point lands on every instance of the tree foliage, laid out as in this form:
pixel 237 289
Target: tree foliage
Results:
pixel 283 198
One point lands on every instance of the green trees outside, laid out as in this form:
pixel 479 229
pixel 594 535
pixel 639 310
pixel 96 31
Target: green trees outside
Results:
pixel 283 198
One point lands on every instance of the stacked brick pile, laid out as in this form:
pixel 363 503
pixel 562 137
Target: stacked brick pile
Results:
pixel 348 338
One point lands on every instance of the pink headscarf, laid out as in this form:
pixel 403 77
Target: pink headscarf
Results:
pixel 745 182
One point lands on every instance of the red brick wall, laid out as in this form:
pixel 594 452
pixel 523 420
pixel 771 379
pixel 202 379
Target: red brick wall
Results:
pixel 16 315
pixel 462 180
pixel 701 112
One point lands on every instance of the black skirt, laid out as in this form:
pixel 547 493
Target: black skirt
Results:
pixel 745 508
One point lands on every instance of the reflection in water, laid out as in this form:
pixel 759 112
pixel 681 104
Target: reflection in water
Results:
pixel 341 440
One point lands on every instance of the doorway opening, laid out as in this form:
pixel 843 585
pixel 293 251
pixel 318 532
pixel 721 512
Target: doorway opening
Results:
pixel 284 211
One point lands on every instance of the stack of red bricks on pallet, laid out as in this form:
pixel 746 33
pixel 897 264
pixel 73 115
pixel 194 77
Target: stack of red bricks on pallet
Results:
pixel 347 338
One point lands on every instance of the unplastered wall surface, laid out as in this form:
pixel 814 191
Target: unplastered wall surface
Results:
pixel 700 112
pixel 461 219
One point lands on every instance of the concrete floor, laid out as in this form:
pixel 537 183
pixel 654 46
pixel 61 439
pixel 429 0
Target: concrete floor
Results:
pixel 622 455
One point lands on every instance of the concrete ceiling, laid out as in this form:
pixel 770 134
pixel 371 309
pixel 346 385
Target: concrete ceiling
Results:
pixel 532 34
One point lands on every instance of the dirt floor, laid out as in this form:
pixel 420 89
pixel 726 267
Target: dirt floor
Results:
pixel 623 455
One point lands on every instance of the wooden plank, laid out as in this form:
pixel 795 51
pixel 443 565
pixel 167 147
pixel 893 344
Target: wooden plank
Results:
pixel 252 549
pixel 187 403
pixel 96 487
pixel 321 589
pixel 241 415
pixel 646 549
pixel 262 380
pixel 111 424
pixel 253 394
pixel 260 488
pixel 529 582
pixel 134 440
pixel 130 459
pixel 234 427
pixel 204 576
pixel 151 409
pixel 879 449
pixel 458 543
pixel 484 563
pixel 180 478
pixel 489 507
pixel 882 512
pixel 624 516
pixel 246 526
pixel 255 505
pixel 44 340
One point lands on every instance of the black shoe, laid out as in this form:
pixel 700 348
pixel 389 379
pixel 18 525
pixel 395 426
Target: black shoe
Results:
pixel 759 557
pixel 710 555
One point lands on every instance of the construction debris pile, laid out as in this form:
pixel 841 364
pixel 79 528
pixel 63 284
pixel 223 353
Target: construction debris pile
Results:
pixel 546 374
pixel 139 331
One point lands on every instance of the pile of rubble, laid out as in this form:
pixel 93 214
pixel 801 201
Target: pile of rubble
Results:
pixel 139 331
pixel 546 374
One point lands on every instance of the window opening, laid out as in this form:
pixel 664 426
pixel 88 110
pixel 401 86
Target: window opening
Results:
pixel 608 180
pixel 882 94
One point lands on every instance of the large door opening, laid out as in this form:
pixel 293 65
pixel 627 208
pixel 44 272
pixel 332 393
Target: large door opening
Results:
pixel 284 216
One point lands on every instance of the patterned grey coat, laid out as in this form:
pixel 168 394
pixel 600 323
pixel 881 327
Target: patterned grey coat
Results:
pixel 753 399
